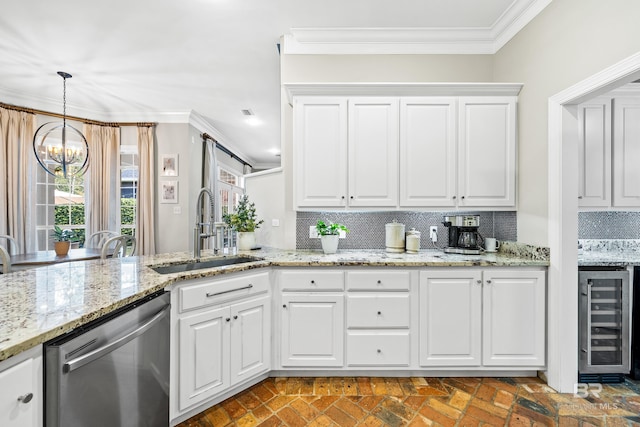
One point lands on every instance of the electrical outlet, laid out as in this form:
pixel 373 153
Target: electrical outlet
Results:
pixel 433 233
pixel 313 233
pixel 275 222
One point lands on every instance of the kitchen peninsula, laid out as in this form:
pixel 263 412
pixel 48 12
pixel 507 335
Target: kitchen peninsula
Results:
pixel 40 304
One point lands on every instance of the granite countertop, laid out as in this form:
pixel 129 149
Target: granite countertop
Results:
pixel 608 252
pixel 40 304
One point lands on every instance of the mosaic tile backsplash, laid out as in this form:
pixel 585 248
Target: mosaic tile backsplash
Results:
pixel 609 225
pixel 367 229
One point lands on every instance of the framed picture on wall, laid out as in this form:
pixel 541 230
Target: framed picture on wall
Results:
pixel 169 165
pixel 169 192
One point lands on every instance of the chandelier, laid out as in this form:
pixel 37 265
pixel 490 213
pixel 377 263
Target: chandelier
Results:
pixel 61 149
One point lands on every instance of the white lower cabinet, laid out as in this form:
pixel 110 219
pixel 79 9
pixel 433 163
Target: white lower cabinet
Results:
pixel 493 318
pixel 451 318
pixel 21 390
pixel 223 329
pixel 513 318
pixel 312 330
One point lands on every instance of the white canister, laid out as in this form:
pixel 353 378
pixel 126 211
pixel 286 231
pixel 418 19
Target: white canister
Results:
pixel 412 243
pixel 394 237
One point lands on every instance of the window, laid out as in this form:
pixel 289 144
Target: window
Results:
pixel 230 191
pixel 129 163
pixel 59 201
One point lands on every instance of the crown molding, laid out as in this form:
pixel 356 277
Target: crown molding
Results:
pixel 474 41
pixel 401 89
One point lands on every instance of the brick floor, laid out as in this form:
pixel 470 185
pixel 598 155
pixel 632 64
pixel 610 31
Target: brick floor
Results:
pixel 377 402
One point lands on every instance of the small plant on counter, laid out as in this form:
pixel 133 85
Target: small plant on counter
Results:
pixel 60 235
pixel 330 235
pixel 244 219
pixel 331 229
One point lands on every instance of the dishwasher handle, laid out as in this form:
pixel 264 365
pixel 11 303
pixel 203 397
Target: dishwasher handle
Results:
pixel 112 346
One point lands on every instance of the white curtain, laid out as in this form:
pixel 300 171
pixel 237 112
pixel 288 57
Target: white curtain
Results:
pixel 102 181
pixel 145 224
pixel 16 133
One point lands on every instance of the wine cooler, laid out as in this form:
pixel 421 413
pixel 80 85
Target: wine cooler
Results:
pixel 604 351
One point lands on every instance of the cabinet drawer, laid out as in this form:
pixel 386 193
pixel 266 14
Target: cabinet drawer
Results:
pixel 378 311
pixel 378 280
pixel 311 280
pixel 372 348
pixel 206 292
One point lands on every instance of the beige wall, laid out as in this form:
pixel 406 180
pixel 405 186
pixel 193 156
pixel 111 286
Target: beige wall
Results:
pixel 568 42
pixel 173 230
pixel 386 68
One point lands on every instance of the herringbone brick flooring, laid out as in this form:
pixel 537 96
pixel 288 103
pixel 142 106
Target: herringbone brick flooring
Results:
pixel 349 402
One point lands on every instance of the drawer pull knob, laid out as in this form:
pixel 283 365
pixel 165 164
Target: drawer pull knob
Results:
pixel 379 313
pixel 230 290
pixel 379 282
pixel 25 398
pixel 228 319
pixel 284 305
pixel 235 317
pixel 479 282
pixel 313 282
pixel 488 282
pixel 379 351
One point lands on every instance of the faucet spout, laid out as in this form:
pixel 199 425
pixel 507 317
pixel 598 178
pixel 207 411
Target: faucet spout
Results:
pixel 198 231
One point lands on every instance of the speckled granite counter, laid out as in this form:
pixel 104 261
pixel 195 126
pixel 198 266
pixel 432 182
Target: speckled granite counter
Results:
pixel 609 252
pixel 39 304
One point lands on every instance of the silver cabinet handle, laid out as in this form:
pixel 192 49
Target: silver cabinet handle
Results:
pixel 26 398
pixel 230 290
pixel 114 345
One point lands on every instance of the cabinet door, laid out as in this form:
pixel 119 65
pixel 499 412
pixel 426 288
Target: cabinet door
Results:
pixel 373 152
pixel 450 318
pixel 626 152
pixel 312 330
pixel 250 338
pixel 19 381
pixel 513 318
pixel 487 152
pixel 594 153
pixel 428 152
pixel 320 151
pixel 204 356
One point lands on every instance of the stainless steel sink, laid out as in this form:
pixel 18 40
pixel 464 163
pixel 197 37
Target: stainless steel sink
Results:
pixel 199 265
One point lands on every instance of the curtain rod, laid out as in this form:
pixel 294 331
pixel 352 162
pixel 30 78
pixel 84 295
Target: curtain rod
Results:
pixel 79 119
pixel 224 149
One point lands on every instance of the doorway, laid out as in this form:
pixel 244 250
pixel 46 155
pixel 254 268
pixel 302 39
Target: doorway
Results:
pixel 562 318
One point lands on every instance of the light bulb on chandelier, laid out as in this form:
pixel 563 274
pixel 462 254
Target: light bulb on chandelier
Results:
pixel 61 149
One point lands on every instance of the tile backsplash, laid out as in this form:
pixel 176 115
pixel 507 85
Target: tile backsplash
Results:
pixel 609 225
pixel 367 229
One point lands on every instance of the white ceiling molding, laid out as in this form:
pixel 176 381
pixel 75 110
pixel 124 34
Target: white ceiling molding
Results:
pixel 402 89
pixel 415 40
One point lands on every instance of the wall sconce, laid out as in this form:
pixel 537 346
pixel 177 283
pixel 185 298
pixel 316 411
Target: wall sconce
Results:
pixel 61 149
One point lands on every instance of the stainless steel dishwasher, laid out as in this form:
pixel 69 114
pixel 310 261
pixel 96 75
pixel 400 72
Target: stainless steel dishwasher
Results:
pixel 113 372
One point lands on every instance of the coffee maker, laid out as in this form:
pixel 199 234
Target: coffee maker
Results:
pixel 463 234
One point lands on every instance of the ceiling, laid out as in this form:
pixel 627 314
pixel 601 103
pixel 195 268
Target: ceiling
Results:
pixel 161 60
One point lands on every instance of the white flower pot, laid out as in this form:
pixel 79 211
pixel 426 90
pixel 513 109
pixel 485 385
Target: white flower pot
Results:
pixel 330 243
pixel 246 240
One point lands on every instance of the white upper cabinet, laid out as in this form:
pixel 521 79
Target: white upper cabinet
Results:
pixel 406 151
pixel 594 152
pixel 486 151
pixel 320 151
pixel 626 152
pixel 373 152
pixel 428 152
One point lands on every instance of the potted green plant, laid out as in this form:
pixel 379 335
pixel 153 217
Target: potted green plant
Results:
pixel 61 240
pixel 245 221
pixel 330 235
